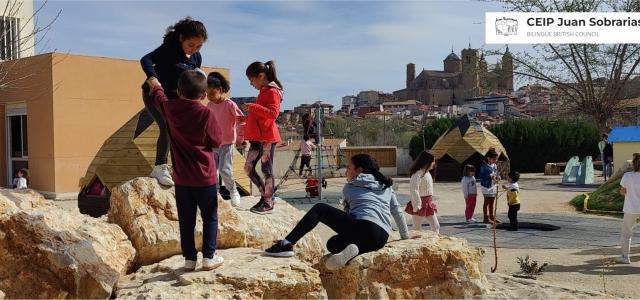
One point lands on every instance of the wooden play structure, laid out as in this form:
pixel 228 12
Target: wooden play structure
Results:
pixel 129 153
pixel 466 142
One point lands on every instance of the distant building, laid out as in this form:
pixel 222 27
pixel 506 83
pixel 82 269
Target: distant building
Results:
pixel 243 100
pixel 401 106
pixel 348 104
pixel 311 108
pixel 462 78
pixel 491 105
pixel 380 115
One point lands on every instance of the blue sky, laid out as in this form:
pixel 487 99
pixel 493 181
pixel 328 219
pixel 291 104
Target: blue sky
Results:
pixel 323 50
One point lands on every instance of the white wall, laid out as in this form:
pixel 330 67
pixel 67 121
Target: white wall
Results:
pixel 24 11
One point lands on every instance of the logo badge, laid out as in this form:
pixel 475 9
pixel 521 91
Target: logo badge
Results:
pixel 506 26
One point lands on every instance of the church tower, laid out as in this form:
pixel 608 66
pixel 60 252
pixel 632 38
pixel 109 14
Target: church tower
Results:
pixel 411 74
pixel 470 73
pixel 507 71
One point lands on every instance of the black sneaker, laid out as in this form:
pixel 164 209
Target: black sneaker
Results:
pixel 280 249
pixel 262 208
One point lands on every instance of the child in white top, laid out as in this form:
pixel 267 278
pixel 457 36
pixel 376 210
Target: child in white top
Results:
pixel 630 188
pixel 470 192
pixel 21 182
pixel 421 207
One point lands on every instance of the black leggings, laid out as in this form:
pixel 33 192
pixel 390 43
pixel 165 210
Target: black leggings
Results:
pixel 365 234
pixel 305 160
pixel 162 145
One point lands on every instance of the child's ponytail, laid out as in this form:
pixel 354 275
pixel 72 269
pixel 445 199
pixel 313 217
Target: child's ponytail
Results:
pixel 271 73
pixel 268 68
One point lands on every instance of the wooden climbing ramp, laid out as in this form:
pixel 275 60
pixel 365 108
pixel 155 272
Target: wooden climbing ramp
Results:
pixel 130 152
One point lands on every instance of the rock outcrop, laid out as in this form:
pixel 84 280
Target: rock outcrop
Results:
pixel 47 252
pixel 426 267
pixel 245 274
pixel 147 213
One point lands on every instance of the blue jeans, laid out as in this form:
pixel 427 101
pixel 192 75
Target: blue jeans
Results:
pixel 188 200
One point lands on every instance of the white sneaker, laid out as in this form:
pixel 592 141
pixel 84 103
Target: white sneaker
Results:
pixel 212 263
pixel 190 265
pixel 235 199
pixel 163 174
pixel 472 220
pixel 623 260
pixel 339 260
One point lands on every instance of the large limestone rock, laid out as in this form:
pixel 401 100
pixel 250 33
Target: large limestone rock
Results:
pixel 427 267
pixel 147 213
pixel 47 252
pixel 263 230
pixel 245 274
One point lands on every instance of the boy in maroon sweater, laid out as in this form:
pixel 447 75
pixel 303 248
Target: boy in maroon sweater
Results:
pixel 193 137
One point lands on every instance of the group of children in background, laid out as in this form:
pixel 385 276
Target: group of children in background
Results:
pixel 423 209
pixel 488 181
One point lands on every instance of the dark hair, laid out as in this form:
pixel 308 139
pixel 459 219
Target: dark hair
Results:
pixel 469 168
pixel 370 166
pixel 491 153
pixel 268 68
pixel 423 161
pixel 185 28
pixel 635 163
pixel 192 84
pixel 215 80
pixel 25 173
pixel 605 135
pixel 515 176
pixel 306 137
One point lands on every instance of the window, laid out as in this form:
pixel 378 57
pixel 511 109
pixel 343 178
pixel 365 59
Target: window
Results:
pixel 9 38
pixel 18 127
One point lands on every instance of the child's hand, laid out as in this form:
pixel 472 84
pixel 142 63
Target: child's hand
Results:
pixel 153 82
pixel 245 107
pixel 241 119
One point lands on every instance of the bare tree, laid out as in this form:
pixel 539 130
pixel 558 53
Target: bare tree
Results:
pixel 20 34
pixel 588 78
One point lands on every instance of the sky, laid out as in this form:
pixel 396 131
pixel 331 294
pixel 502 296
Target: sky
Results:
pixel 323 50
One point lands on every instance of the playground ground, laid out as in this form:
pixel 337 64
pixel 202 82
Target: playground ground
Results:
pixel 577 253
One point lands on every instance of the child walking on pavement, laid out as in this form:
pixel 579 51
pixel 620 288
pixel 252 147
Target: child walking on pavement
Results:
pixel 630 188
pixel 421 207
pixel 513 199
pixel 488 178
pixel 194 134
pixel 470 191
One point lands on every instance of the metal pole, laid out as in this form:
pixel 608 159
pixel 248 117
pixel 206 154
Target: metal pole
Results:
pixel 319 149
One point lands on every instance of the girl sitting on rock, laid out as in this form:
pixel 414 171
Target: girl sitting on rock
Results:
pixel 364 225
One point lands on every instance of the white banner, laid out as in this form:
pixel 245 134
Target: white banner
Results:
pixel 562 28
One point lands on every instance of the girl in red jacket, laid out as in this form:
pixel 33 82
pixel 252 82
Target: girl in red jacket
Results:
pixel 261 130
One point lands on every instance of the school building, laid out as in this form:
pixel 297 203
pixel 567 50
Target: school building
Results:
pixel 59 109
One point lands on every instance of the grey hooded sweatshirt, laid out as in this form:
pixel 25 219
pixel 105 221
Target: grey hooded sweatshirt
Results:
pixel 366 199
